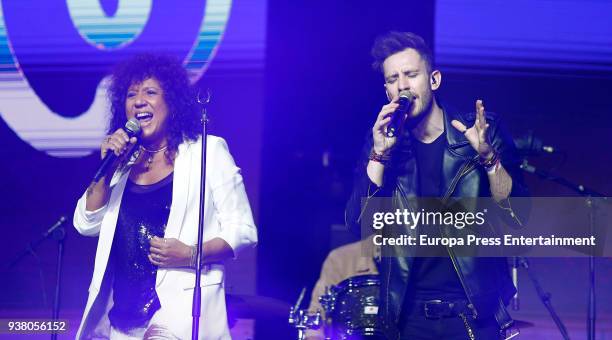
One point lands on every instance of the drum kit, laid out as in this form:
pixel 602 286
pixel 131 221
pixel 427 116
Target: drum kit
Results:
pixel 351 309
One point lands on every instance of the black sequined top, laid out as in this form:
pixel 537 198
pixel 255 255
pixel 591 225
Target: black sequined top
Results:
pixel 143 214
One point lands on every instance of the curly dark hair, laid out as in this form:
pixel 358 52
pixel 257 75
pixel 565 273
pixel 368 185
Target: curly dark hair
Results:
pixel 184 121
pixel 393 42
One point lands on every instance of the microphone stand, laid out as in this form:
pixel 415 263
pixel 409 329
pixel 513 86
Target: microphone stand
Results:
pixel 58 233
pixel 197 290
pixel 588 194
pixel 516 305
pixel 544 296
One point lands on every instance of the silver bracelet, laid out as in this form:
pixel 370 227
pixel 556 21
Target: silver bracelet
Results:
pixel 194 254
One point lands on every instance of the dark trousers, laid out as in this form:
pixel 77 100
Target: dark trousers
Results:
pixel 418 327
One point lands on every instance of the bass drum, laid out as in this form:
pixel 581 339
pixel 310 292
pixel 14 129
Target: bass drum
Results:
pixel 354 310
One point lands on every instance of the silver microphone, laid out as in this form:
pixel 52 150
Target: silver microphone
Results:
pixel 132 128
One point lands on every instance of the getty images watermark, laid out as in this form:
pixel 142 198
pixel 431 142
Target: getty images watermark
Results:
pixel 411 219
pixel 546 227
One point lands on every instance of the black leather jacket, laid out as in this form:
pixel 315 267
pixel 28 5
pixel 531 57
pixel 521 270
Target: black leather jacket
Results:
pixel 486 281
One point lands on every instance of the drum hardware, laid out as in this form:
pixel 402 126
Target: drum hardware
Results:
pixel 301 320
pixel 327 301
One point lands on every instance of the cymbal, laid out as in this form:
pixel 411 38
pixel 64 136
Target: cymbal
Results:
pixel 523 324
pixel 256 307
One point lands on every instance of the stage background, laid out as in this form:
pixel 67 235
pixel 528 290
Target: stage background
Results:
pixel 544 65
pixel 38 188
pixel 294 95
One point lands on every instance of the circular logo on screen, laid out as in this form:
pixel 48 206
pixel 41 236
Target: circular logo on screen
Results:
pixel 55 56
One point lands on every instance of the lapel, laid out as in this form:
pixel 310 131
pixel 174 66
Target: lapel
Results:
pixel 455 140
pixel 180 195
pixel 180 190
pixel 109 224
pixel 458 149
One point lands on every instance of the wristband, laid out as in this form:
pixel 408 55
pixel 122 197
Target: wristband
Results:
pixel 380 158
pixel 493 169
pixel 491 164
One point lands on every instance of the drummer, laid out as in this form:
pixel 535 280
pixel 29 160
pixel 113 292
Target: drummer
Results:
pixel 344 262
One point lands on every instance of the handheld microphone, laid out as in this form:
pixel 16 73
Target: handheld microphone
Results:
pixel 406 99
pixel 132 128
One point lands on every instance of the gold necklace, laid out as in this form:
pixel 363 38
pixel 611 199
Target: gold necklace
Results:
pixel 151 153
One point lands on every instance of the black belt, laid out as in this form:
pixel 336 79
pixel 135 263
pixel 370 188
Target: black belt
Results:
pixel 437 309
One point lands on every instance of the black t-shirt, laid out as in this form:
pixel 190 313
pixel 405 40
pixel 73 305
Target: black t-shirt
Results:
pixel 144 213
pixel 432 277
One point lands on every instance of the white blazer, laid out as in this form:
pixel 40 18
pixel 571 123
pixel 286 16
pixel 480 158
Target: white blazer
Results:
pixel 227 215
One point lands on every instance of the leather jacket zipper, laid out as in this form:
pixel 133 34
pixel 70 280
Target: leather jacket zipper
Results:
pixel 462 281
pixel 467 167
pixel 365 205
